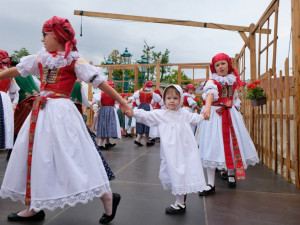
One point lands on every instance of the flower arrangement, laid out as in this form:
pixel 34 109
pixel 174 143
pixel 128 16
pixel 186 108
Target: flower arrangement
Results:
pixel 255 91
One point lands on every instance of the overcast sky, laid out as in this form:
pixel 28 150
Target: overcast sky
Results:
pixel 21 24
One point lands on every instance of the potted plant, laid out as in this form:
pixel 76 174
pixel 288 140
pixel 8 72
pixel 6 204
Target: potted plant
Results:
pixel 256 93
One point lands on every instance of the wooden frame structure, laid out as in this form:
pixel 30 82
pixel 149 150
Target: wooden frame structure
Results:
pixel 275 127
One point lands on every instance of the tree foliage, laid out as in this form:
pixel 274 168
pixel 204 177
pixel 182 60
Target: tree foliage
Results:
pixel 18 54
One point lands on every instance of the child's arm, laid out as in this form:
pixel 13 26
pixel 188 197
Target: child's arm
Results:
pixel 9 73
pixel 210 95
pixel 126 109
pixel 149 118
pixel 206 111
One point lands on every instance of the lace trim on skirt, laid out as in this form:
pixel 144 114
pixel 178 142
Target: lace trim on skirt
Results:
pixel 52 204
pixel 182 190
pixel 222 165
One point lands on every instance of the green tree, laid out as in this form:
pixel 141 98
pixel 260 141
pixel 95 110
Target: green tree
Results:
pixel 17 55
pixel 164 58
pixel 172 78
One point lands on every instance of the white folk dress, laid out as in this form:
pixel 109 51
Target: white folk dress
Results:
pixel 181 168
pixel 8 99
pixel 66 167
pixel 209 134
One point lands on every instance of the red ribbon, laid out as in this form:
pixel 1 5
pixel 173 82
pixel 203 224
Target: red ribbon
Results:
pixel 227 130
pixel 38 104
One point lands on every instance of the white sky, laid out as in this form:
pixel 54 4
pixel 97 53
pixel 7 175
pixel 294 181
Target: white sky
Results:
pixel 21 23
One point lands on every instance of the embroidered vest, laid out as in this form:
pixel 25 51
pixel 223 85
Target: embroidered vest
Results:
pixel 225 94
pixel 60 80
pixel 185 101
pixel 146 97
pixel 106 100
pixel 4 85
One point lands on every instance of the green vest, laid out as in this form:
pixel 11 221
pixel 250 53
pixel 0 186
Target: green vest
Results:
pixel 27 87
pixel 76 93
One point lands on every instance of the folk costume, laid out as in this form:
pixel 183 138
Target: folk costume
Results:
pixel 54 162
pixel 181 168
pixel 223 140
pixel 8 96
pixel 154 132
pixel 145 96
pixel 189 102
pixel 108 121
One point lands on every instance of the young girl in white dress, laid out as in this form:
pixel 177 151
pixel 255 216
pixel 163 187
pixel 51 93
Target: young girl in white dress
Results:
pixel 181 168
pixel 223 139
pixel 54 162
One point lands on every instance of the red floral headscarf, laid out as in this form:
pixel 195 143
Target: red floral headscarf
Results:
pixel 231 69
pixel 63 31
pixel 4 55
pixel 189 86
pixel 148 84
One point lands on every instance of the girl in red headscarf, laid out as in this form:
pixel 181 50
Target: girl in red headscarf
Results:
pixel 223 139
pixel 145 97
pixel 54 162
pixel 108 121
pixel 9 97
pixel 189 102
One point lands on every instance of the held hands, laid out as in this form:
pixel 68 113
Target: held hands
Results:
pixel 206 113
pixel 127 110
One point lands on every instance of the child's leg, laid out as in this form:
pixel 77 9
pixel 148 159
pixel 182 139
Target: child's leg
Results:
pixel 110 203
pixel 211 176
pixel 231 179
pixel 139 137
pixel 27 212
pixel 101 140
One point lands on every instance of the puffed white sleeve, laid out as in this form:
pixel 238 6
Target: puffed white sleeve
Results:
pixel 149 118
pixel 97 97
pixel 157 98
pixel 136 95
pixel 89 73
pixel 13 91
pixel 236 100
pixel 195 118
pixel 28 65
pixel 210 88
pixel 192 102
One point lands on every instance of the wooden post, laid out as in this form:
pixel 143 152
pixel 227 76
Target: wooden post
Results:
pixel 136 76
pixel 295 4
pixel 281 122
pixel 287 120
pixel 252 48
pixel 157 73
pixel 179 75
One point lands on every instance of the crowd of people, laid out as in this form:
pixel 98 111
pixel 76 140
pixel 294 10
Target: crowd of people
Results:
pixel 42 125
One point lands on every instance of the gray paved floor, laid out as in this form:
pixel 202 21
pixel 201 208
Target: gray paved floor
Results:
pixel 264 198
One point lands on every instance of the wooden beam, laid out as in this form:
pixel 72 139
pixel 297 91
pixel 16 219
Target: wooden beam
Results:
pixel 167 21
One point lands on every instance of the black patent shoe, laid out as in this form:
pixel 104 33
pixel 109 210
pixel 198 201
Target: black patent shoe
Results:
pixel 102 148
pixel 150 143
pixel 37 217
pixel 231 184
pixel 223 175
pixel 109 145
pixel 138 143
pixel 105 218
pixel 207 192
pixel 176 209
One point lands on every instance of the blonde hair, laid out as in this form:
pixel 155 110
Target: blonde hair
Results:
pixel 171 90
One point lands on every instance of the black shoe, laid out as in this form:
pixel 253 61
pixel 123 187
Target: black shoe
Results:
pixel 37 217
pixel 138 143
pixel 207 192
pixel 152 140
pixel 231 184
pixel 223 175
pixel 105 218
pixel 102 148
pixel 176 208
pixel 150 143
pixel 109 145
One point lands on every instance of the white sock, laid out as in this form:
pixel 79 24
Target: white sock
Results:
pixel 211 176
pixel 180 199
pixel 231 172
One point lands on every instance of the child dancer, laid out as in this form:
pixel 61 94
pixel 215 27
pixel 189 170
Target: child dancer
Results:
pixel 224 141
pixel 189 102
pixel 145 96
pixel 108 121
pixel 54 162
pixel 9 98
pixel 181 168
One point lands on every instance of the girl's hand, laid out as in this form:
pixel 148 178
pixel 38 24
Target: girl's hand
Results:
pixel 127 110
pixel 206 113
